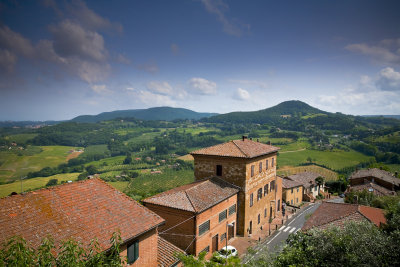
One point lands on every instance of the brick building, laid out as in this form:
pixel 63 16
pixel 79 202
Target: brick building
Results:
pixel 251 166
pixel 200 216
pixel 337 214
pixel 292 192
pixel 84 211
pixel 376 181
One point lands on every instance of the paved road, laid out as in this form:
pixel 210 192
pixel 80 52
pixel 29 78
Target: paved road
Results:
pixel 276 242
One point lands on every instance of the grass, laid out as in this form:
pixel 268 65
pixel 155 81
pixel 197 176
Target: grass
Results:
pixel 34 183
pixel 121 186
pixel 394 168
pixel 14 166
pixel 335 160
pixel 20 138
pixel 144 138
pixel 328 174
pixel 118 160
pixel 95 149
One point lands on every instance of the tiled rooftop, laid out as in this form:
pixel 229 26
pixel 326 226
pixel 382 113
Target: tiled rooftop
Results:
pixel 305 178
pixel 81 210
pixel 286 183
pixel 195 197
pixel 167 253
pixel 237 148
pixel 373 188
pixel 377 173
pixel 329 212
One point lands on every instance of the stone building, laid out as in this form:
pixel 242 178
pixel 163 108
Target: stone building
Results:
pixel 311 189
pixel 251 166
pixel 292 192
pixel 200 216
pixel 376 181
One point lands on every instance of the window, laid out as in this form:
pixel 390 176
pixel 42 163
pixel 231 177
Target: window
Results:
pixel 204 227
pixel 265 212
pixel 219 170
pixel 259 219
pixel 223 236
pixel 266 164
pixel 232 209
pixel 291 191
pixel 206 249
pixel 272 162
pixel 252 170
pixel 260 167
pixel 291 201
pixel 265 189
pixel 279 204
pixel 133 252
pixel 259 194
pixel 297 200
pixel 272 186
pixel 251 200
pixel 222 216
pixel 297 189
pixel 316 188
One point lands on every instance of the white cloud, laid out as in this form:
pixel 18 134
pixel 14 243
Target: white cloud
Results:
pixel 100 88
pixel 123 59
pixel 219 8
pixel 152 99
pixel 202 86
pixel 241 94
pixel 7 61
pixel 388 80
pixel 162 88
pixel 386 51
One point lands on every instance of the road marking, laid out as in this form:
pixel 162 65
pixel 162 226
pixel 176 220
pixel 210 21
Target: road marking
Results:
pixel 287 228
pixel 273 238
pixel 283 227
pixel 291 231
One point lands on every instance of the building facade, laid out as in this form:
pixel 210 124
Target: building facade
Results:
pixel 292 192
pixel 251 166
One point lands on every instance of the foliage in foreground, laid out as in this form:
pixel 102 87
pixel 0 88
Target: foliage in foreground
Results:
pixel 215 261
pixel 17 252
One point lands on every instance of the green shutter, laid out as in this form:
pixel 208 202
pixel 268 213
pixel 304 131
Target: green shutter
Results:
pixel 133 252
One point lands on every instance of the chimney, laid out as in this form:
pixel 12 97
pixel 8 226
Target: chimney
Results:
pixel 244 137
pixel 258 140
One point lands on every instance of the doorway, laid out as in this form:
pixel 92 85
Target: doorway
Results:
pixel 214 246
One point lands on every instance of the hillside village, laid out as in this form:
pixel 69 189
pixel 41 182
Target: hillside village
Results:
pixel 237 199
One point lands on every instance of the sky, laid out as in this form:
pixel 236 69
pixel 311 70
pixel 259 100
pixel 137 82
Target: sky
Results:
pixel 61 59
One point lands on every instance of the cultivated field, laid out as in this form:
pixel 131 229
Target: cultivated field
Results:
pixel 328 174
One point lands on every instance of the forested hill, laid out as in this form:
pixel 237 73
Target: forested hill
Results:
pixel 157 113
pixel 293 108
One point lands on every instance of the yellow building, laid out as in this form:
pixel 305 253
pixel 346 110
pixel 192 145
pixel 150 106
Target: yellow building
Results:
pixel 292 192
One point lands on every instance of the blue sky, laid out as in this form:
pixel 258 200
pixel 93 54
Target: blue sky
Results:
pixel 61 59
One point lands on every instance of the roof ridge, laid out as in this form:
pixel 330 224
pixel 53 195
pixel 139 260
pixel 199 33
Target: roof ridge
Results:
pixel 233 141
pixel 216 177
pixel 190 201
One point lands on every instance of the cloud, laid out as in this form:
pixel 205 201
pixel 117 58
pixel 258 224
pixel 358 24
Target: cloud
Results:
pixel 152 99
pixel 7 61
pixel 175 49
pixel 219 8
pixel 100 88
pixel 148 67
pixel 15 42
pixel 162 88
pixel 386 51
pixel 90 19
pixel 72 40
pixel 202 86
pixel 123 59
pixel 388 80
pixel 241 94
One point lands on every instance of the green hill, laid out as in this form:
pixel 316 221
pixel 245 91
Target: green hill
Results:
pixel 293 108
pixel 157 113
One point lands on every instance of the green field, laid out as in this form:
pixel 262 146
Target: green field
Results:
pixel 14 166
pixel 20 138
pixel 34 183
pixel 121 186
pixel 335 160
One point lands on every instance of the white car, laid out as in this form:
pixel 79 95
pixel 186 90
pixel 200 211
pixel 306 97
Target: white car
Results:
pixel 227 252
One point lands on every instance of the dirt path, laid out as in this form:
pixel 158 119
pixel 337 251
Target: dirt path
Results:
pixel 74 155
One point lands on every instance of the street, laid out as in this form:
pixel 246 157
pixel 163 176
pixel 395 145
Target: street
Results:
pixel 276 242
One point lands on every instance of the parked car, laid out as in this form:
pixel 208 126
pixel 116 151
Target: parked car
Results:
pixel 227 252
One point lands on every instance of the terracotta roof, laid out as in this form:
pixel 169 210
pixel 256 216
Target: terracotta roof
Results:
pixel 195 197
pixel 81 210
pixel 287 183
pixel 237 148
pixel 329 213
pixel 374 188
pixel 377 173
pixel 167 253
pixel 305 178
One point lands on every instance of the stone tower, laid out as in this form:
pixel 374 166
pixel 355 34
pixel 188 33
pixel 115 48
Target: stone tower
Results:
pixel 250 165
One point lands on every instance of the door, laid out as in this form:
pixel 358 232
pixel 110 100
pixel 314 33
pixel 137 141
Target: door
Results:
pixel 231 231
pixel 251 227
pixel 214 243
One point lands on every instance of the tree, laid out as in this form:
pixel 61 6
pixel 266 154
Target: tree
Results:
pixel 320 182
pixel 52 182
pixel 91 169
pixel 128 159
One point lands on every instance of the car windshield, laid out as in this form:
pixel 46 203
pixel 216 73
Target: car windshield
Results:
pixel 224 252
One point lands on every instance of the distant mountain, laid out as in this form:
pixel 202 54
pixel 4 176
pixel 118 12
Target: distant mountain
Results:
pixel 157 113
pixel 384 116
pixel 293 108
